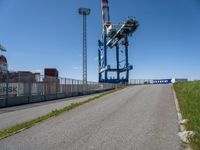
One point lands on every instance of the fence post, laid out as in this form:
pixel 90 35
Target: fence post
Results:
pixel 65 87
pixel 29 88
pixel 57 82
pixel 7 78
pixel 72 88
pixel 83 87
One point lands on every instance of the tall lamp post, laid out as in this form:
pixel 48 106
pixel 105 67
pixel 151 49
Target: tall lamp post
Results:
pixel 84 12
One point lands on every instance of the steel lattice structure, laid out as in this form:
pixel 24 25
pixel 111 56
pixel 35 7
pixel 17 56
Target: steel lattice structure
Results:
pixel 84 12
pixel 114 36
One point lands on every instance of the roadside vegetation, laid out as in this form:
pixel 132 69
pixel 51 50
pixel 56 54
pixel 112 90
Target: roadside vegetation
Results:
pixel 188 95
pixel 20 127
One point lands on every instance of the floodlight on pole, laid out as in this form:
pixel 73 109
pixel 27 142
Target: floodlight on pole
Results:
pixel 84 12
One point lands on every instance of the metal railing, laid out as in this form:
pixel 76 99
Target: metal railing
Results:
pixel 16 88
pixel 155 81
pixel 140 81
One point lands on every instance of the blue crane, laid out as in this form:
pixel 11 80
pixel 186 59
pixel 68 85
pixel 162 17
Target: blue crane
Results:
pixel 115 36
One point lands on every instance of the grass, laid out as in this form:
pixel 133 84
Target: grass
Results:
pixel 20 127
pixel 188 95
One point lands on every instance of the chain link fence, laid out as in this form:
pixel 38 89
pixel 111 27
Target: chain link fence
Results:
pixel 17 89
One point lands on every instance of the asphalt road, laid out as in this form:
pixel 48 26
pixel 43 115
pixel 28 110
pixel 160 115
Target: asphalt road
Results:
pixel 12 116
pixel 136 118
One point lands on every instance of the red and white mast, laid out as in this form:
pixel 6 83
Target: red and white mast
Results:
pixel 105 14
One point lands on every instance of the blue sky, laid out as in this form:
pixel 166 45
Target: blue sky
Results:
pixel 47 33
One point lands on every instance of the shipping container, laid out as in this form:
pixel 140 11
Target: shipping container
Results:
pixel 52 72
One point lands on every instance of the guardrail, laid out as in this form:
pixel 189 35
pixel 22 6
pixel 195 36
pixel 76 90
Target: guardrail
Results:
pixel 18 89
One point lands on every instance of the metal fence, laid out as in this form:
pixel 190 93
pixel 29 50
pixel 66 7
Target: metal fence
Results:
pixel 16 88
pixel 155 81
pixel 141 81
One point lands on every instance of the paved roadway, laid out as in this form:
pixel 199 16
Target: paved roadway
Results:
pixel 12 116
pixel 136 118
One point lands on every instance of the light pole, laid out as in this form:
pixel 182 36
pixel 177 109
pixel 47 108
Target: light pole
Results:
pixel 84 12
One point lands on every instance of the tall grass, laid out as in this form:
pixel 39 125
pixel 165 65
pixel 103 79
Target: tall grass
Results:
pixel 188 95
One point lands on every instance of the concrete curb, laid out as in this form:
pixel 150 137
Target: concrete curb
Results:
pixel 182 128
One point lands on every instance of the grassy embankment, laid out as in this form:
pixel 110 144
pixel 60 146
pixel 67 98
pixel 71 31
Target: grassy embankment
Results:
pixel 188 95
pixel 20 127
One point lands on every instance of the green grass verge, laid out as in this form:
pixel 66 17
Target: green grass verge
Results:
pixel 20 127
pixel 188 95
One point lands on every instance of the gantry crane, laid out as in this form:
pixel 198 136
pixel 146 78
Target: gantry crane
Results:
pixel 115 36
